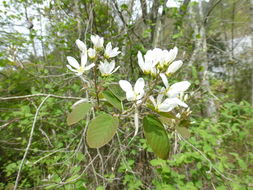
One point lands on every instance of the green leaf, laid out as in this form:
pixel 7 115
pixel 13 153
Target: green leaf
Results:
pixel 184 132
pixel 100 188
pixel 185 123
pixel 51 186
pixel 72 178
pixel 167 115
pixel 101 130
pixel 156 136
pixel 124 7
pixel 117 91
pixel 113 100
pixel 78 113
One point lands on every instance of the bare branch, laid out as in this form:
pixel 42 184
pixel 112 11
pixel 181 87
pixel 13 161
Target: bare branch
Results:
pixel 36 95
pixel 29 142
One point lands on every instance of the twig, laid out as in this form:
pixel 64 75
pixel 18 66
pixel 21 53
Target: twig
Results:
pixel 102 164
pixel 211 164
pixel 75 179
pixel 29 142
pixel 36 95
pixel 60 150
pixel 8 123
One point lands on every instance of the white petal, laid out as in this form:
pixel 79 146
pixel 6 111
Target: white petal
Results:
pixel 125 85
pixel 140 60
pixel 79 73
pixel 89 67
pixel 153 100
pixel 172 54
pixel 101 67
pixel 174 67
pixel 177 88
pixel 83 59
pixel 167 105
pixel 81 45
pixel 138 101
pixel 154 71
pixel 93 39
pixel 115 52
pixel 130 95
pixel 111 66
pixel 73 62
pixel 164 79
pixel 97 41
pixel 101 42
pixel 91 53
pixel 140 95
pixel 139 86
pixel 159 98
pixel 70 68
pixel 180 103
pixel 117 68
pixel 108 48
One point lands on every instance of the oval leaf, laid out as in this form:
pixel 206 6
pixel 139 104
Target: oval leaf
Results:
pixel 78 113
pixel 117 91
pixel 112 99
pixel 101 130
pixel 156 136
pixel 184 132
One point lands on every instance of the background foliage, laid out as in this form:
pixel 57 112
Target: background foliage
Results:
pixel 215 42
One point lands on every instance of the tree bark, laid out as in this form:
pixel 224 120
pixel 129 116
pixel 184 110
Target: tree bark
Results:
pixel 155 25
pixel 251 52
pixel 200 55
pixel 78 18
pixel 144 10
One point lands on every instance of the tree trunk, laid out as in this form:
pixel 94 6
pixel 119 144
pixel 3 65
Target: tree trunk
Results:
pixel 155 23
pixel 78 18
pixel 200 55
pixel 251 52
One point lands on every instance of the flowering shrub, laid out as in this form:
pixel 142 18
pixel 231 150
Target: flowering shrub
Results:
pixel 168 111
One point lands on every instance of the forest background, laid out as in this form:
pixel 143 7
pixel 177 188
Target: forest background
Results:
pixel 211 151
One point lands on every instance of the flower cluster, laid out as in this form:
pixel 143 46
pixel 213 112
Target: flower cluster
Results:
pixel 158 62
pixel 106 65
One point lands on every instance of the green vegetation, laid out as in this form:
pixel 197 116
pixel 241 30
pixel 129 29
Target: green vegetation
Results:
pixel 62 131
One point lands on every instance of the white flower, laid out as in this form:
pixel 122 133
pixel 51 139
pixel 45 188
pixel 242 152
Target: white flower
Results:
pixel 107 68
pixel 91 53
pixel 175 89
pixel 75 67
pixel 136 93
pixel 109 52
pixel 82 47
pixel 172 55
pixel 167 105
pixel 174 67
pixel 167 57
pixel 156 57
pixel 97 41
pixel 147 66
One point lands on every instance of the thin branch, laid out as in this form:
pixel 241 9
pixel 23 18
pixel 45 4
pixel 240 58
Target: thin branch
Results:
pixel 36 95
pixel 29 142
pixel 210 11
pixel 8 123
pixel 204 156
